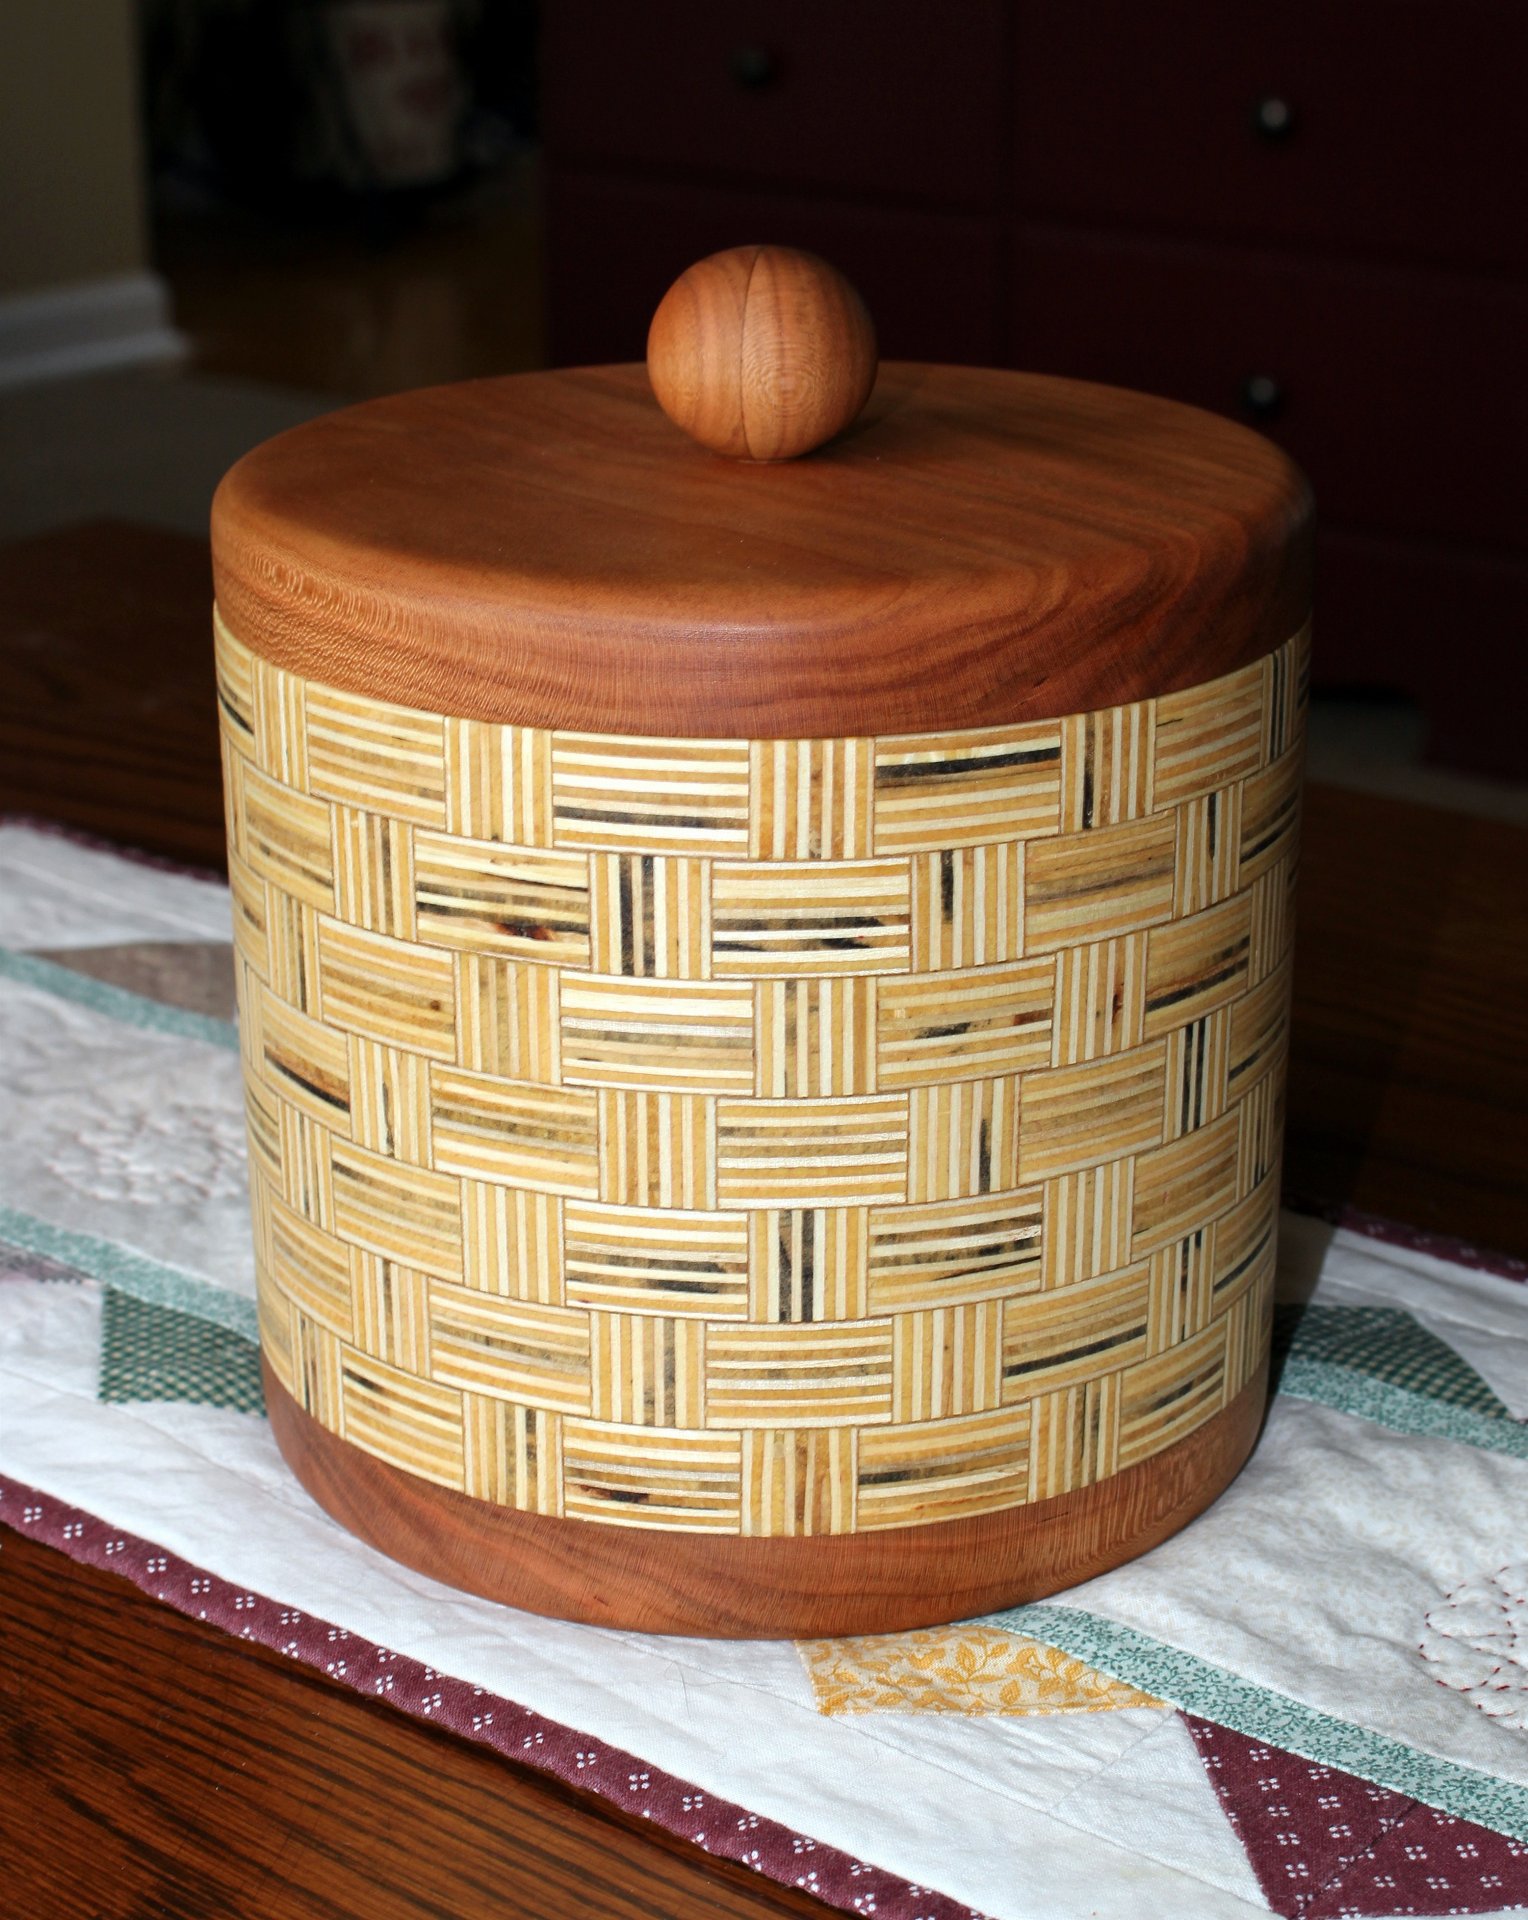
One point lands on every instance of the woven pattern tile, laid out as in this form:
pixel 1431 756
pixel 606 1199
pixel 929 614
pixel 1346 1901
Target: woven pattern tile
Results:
pixel 767 1137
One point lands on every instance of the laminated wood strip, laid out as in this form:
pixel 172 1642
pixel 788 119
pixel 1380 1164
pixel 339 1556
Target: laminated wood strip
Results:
pixel 1087 1218
pixel 392 1312
pixel 1198 1070
pixel 643 1477
pixel 1100 1000
pixel 511 1455
pixel 798 1483
pixel 656 1149
pixel 278 703
pixel 1208 856
pixel 1099 884
pixel 409 1214
pixel 948 1252
pixel 1182 1293
pixel 1208 737
pixel 947 1361
pixel 835 1373
pixel 1057 1339
pixel 808 1263
pixel 815 1037
pixel 1077 1117
pixel 948 790
pixel 286 837
pixel 650 915
pixel 533 1355
pixel 526 902
pixel 964 1024
pixel 390 1101
pixel 389 759
pixel 251 914
pixel 967 906
pixel 387 990
pixel 670 1036
pixel 1106 766
pixel 404 1420
pixel 374 872
pixel 1074 1437
pixel 655 796
pixel 1185 1183
pixel 925 1472
pixel 543 1138
pixel 498 783
pixel 509 1018
pixel 792 918
pixel 785 1153
pixel 1173 1394
pixel 811 799
pixel 1196 964
pixel 657 1260
pixel 962 1139
pixel 513 1241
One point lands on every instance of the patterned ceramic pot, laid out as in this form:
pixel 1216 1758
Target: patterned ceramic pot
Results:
pixel 763 988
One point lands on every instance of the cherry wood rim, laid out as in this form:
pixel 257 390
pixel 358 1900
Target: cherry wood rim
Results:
pixel 657 1581
pixel 979 549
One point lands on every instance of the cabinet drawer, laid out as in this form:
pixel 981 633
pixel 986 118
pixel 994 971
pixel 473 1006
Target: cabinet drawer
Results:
pixel 1400 393
pixel 932 281
pixel 1405 132
pixel 880 97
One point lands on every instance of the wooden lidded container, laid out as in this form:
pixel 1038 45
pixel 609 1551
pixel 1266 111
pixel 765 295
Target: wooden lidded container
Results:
pixel 763 987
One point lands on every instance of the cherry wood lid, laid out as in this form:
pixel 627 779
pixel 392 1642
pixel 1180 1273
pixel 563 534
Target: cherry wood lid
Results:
pixel 978 548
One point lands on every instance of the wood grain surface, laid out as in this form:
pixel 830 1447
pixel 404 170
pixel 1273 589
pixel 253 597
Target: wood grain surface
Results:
pixel 979 548
pixel 157 1769
pixel 761 353
pixel 126 1791
pixel 108 710
pixel 804 1588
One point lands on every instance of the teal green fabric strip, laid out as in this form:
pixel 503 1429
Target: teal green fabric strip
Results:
pixel 1398 1408
pixel 116 1003
pixel 1197 1687
pixel 131 1272
pixel 154 1352
pixel 1388 1344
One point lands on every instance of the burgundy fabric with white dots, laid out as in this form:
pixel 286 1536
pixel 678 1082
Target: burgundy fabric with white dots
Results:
pixel 1325 1844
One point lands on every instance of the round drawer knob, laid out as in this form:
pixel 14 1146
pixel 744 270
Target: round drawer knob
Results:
pixel 1262 395
pixel 753 67
pixel 761 353
pixel 1274 117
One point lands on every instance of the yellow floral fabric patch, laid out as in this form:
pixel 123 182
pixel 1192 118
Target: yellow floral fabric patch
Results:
pixel 961 1669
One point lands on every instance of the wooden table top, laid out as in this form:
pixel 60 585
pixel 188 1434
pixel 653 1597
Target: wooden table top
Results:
pixel 157 1767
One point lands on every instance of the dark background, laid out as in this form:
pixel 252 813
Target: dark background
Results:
pixel 1306 215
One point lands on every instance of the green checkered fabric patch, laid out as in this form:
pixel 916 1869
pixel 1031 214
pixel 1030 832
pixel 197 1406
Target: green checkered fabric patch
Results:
pixel 153 1352
pixel 1383 1343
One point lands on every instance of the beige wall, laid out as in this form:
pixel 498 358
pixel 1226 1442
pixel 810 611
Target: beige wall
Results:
pixel 71 163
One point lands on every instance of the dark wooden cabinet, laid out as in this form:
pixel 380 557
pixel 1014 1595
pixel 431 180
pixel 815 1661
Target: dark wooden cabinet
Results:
pixel 1307 216
pixel 847 97
pixel 1364 129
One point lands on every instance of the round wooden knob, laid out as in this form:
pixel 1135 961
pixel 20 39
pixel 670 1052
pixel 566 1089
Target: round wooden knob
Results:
pixel 761 352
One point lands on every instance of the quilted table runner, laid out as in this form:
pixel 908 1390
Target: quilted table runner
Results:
pixel 1313 1701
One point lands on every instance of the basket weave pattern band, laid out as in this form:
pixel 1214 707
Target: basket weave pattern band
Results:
pixel 771 1137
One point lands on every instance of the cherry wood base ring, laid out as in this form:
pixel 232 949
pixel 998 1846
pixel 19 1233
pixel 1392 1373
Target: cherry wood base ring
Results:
pixel 727 1587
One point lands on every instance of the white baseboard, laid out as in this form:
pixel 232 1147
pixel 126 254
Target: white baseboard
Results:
pixel 86 328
